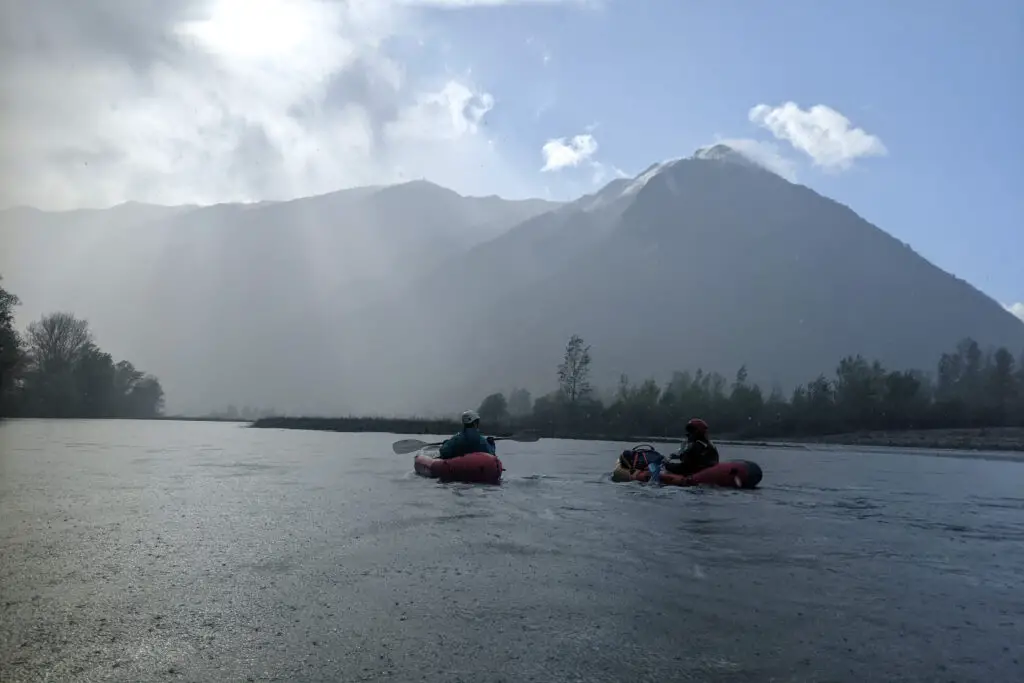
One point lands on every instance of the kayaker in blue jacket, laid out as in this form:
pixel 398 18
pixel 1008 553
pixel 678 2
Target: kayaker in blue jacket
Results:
pixel 469 440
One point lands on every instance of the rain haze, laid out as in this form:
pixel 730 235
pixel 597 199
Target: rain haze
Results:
pixel 398 206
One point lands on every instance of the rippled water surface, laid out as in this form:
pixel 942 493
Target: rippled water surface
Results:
pixel 214 552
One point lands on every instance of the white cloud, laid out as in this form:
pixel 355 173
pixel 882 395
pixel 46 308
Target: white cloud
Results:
pixel 451 113
pixel 764 154
pixel 225 100
pixel 562 153
pixel 458 4
pixel 821 132
pixel 1017 309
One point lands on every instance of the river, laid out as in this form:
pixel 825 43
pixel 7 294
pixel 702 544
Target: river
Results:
pixel 189 551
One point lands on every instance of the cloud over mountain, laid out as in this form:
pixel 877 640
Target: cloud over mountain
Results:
pixel 821 132
pixel 562 153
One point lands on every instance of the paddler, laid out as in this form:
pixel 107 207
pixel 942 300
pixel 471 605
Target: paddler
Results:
pixel 696 454
pixel 469 440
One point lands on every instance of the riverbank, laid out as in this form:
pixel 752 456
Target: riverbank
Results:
pixel 987 439
pixel 385 425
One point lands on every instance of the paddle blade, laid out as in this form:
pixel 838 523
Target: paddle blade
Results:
pixel 407 446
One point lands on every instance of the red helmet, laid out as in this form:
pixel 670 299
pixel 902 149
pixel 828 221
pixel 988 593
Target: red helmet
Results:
pixel 697 426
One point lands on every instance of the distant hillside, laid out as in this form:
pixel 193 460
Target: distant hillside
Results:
pixel 238 303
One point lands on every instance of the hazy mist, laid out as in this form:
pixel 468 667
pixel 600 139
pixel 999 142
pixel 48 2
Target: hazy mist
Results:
pixel 249 280
pixel 244 304
pixel 413 299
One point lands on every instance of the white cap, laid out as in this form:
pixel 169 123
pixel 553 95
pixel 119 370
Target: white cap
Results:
pixel 469 417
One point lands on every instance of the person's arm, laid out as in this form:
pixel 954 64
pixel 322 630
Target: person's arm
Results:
pixel 491 447
pixel 445 451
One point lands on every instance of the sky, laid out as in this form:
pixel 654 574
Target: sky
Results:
pixel 906 111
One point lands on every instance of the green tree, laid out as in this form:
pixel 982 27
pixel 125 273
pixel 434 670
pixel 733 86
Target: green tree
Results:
pixel 574 371
pixel 145 399
pixel 10 348
pixel 520 403
pixel 94 380
pixel 494 409
pixel 65 374
pixel 859 390
pixel 972 386
pixel 55 345
pixel 745 404
pixel 973 374
pixel 125 378
pixel 636 408
pixel 1002 389
pixel 57 341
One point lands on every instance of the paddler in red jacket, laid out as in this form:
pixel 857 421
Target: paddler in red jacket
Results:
pixel 698 453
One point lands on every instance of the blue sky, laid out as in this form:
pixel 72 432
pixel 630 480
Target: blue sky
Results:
pixel 934 81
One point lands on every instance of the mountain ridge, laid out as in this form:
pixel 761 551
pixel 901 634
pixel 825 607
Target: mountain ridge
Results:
pixel 636 253
pixel 412 298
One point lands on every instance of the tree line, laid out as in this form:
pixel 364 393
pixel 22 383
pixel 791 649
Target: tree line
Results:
pixel 970 388
pixel 55 369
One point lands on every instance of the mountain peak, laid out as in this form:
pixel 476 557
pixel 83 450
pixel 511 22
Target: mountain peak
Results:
pixel 723 152
pixel 637 183
pixel 719 152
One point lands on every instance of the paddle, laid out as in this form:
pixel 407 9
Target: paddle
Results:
pixel 405 446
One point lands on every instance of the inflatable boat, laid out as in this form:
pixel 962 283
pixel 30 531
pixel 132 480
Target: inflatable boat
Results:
pixel 473 468
pixel 738 474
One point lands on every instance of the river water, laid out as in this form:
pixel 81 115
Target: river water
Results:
pixel 186 551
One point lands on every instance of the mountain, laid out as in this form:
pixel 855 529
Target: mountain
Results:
pixel 414 299
pixel 710 261
pixel 238 303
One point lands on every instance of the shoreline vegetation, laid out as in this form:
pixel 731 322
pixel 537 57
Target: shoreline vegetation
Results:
pixel 974 403
pixel 973 400
pixel 56 369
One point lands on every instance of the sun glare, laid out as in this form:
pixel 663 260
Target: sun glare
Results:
pixel 254 29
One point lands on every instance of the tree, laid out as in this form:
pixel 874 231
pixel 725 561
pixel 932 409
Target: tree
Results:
pixel 65 374
pixel 859 390
pixel 494 409
pixel 10 347
pixel 973 361
pixel 574 371
pixel 1002 383
pixel 973 387
pixel 1019 403
pixel 636 408
pixel 145 399
pixel 94 380
pixel 55 346
pixel 57 341
pixel 745 404
pixel 125 378
pixel 520 403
